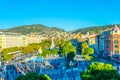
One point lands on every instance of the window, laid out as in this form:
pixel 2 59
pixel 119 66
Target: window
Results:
pixel 115 31
pixel 116 46
pixel 116 42
pixel 116 51
pixel 115 36
pixel 107 36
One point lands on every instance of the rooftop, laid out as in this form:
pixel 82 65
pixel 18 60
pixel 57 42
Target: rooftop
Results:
pixel 115 27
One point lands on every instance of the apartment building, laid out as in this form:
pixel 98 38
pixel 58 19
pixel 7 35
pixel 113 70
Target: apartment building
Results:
pixel 8 39
pixel 108 42
pixel 103 43
pixel 32 38
pixel 115 41
pixel 92 41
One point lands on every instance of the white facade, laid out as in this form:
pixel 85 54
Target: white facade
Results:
pixel 11 40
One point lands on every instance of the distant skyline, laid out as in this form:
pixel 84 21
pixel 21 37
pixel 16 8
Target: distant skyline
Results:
pixel 66 14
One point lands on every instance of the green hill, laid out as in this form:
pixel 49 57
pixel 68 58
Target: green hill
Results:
pixel 42 29
pixel 94 29
pixel 35 28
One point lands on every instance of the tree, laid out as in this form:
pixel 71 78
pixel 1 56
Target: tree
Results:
pixel 79 49
pixel 44 77
pixel 67 47
pixel 29 76
pixel 100 71
pixel 33 76
pixel 88 51
pixel 60 51
pixel 85 50
pixel 83 46
pixel 70 56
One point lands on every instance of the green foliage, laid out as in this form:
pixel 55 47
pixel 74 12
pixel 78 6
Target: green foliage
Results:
pixel 8 50
pixel 29 76
pixel 33 76
pixel 93 58
pixel 42 29
pixel 85 50
pixel 70 56
pixel 44 77
pixel 35 28
pixel 88 51
pixel 45 44
pixel 25 50
pixel 94 29
pixel 79 47
pixel 67 47
pixel 48 52
pixel 83 46
pixel 100 71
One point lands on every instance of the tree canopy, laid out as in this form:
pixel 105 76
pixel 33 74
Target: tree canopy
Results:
pixel 34 76
pixel 100 71
pixel 67 47
pixel 63 48
pixel 70 56
pixel 85 50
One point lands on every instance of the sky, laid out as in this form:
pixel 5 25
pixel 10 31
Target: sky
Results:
pixel 66 14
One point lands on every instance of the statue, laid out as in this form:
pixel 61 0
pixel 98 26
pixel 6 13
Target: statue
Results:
pixel 40 50
pixel 52 45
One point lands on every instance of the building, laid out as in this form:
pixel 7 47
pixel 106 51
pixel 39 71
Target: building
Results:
pixel 92 41
pixel 32 38
pixel 8 39
pixel 108 42
pixel 115 41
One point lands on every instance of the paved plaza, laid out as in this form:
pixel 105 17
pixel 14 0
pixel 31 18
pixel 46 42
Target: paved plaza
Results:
pixel 55 68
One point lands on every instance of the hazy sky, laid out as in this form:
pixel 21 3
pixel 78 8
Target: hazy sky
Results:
pixel 67 14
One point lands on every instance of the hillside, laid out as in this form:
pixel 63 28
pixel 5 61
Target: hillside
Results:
pixel 94 29
pixel 45 30
pixel 35 28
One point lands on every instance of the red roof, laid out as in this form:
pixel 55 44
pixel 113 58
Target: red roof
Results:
pixel 115 27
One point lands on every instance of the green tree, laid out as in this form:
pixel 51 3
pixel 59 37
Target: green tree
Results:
pixel 44 77
pixel 33 76
pixel 87 52
pixel 70 56
pixel 29 76
pixel 100 71
pixel 67 47
pixel 83 46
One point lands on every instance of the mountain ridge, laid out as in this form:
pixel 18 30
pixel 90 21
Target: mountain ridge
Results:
pixel 95 29
pixel 34 28
pixel 42 29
